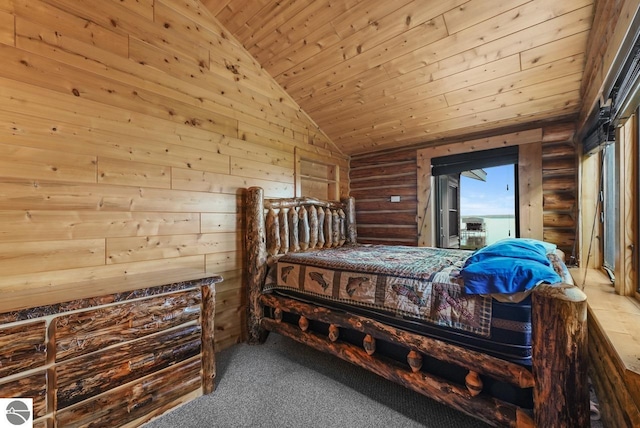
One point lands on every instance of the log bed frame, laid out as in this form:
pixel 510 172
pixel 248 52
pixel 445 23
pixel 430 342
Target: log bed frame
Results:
pixel 559 314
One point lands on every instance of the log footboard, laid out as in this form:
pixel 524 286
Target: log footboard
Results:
pixel 558 373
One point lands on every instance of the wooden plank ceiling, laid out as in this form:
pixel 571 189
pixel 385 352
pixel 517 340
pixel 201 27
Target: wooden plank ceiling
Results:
pixel 377 74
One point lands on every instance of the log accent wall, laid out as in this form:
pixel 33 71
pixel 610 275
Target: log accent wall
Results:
pixel 376 177
pixel 127 129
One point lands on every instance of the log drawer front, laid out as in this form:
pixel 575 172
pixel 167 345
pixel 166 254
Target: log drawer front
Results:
pixel 114 360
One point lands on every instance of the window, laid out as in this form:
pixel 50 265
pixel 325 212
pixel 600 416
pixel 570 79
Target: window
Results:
pixel 476 201
pixel 616 221
pixel 608 210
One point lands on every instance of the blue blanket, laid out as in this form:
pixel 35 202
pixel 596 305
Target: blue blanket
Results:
pixel 508 266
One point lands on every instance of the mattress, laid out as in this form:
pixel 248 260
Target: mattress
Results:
pixel 418 283
pixel 418 289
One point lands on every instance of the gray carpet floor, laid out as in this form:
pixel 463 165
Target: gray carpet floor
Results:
pixel 285 384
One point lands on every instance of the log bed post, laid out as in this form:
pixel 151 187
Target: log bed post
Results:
pixel 559 356
pixel 255 247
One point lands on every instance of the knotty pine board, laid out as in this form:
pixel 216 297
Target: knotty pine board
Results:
pixel 36 225
pixel 104 142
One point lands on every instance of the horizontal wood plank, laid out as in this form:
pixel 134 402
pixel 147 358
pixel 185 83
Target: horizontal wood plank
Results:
pixel 36 164
pixel 127 250
pixel 43 256
pixel 41 195
pixel 127 173
pixel 35 225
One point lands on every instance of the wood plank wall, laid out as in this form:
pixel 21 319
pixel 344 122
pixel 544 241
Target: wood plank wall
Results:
pixel 127 131
pixel 376 177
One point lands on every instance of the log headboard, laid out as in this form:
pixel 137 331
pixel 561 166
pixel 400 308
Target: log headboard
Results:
pixel 278 226
pixel 299 224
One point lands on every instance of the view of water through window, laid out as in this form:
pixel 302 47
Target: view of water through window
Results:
pixel 487 208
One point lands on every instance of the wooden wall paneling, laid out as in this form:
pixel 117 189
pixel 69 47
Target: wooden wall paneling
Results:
pixel 219 263
pixel 70 25
pixel 220 222
pixel 84 332
pixel 43 256
pixel 44 72
pixel 259 170
pixel 23 194
pixel 530 190
pixel 40 133
pixel 230 309
pixel 34 225
pixel 25 162
pixel 26 290
pixel 32 386
pixel 626 204
pixel 253 133
pixel 118 19
pixel 127 250
pixel 211 90
pixel 24 348
pixel 183 179
pixel 136 400
pixel 147 71
pixel 279 155
pixel 126 173
pixel 7 29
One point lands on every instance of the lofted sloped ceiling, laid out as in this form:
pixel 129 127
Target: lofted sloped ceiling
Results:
pixel 379 74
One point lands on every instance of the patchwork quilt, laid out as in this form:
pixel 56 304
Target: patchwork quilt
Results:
pixel 411 282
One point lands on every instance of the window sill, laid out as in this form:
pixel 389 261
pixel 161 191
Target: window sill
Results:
pixel 617 317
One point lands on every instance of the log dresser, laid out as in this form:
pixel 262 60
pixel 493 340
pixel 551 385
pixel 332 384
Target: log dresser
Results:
pixel 116 359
